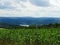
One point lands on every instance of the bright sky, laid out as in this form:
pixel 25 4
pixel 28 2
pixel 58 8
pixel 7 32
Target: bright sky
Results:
pixel 29 8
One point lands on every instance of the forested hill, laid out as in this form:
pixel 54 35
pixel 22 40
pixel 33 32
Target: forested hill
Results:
pixel 28 20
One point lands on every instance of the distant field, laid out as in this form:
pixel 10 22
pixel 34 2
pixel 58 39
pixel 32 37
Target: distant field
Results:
pixel 43 36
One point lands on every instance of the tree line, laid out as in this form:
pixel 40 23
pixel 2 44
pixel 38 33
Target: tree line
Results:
pixel 33 26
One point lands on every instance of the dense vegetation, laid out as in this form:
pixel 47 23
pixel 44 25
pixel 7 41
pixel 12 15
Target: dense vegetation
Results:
pixel 42 36
pixel 33 26
pixel 33 35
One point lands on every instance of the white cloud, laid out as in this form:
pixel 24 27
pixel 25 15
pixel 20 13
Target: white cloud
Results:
pixel 55 3
pixel 26 8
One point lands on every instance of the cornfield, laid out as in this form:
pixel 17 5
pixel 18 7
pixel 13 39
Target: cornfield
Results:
pixel 43 36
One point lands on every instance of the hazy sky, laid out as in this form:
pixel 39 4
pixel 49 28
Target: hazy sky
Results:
pixel 29 8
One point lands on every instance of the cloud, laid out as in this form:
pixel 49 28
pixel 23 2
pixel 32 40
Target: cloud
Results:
pixel 42 3
pixel 29 8
pixel 13 4
pixel 55 3
pixel 5 4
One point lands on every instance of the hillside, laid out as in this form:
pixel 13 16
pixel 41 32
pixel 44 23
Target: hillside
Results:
pixel 28 20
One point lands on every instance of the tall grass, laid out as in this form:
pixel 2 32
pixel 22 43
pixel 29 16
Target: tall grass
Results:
pixel 43 36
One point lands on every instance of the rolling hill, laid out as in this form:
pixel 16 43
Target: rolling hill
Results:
pixel 28 20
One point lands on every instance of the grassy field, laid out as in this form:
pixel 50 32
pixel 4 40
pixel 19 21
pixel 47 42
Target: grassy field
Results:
pixel 43 36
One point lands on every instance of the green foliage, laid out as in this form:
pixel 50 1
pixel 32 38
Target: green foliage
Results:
pixel 42 36
pixel 32 26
